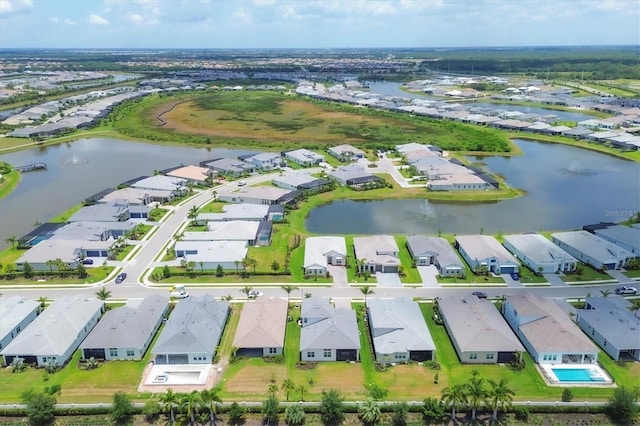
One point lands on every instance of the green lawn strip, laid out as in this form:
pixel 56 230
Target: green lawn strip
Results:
pixel 632 273
pixel 366 346
pixel 9 182
pixel 412 276
pixel 124 252
pixel 588 274
pixel 64 217
pixel 212 207
pixel 95 275
pixel 527 276
pixel 225 347
pixel 10 255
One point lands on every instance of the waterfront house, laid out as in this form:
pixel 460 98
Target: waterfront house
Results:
pixel 477 330
pixel 261 329
pixel 69 252
pixel 304 157
pixel 264 195
pixel 233 212
pixel 113 212
pixel 591 249
pixel 125 333
pixel 319 252
pixel 539 254
pixel 399 331
pixel 193 331
pixel 547 332
pixel 132 196
pixel 193 174
pixel 354 176
pixel 435 251
pixel 346 152
pixel 485 250
pixel 610 323
pixel 56 333
pixel 265 160
pixel 16 313
pixel 379 253
pixel 626 237
pixel 299 180
pixel 210 254
pixel 236 230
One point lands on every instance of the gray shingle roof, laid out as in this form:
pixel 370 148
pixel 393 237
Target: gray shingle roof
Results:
pixel 397 325
pixel 611 318
pixel 340 331
pixel 13 309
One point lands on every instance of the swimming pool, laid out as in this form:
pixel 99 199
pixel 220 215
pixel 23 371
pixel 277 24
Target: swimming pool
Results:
pixel 572 375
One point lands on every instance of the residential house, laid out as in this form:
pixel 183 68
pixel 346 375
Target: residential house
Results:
pixel 626 237
pixel 299 180
pixel 379 253
pixel 132 196
pixel 69 252
pixel 233 212
pixel 113 212
pixel 92 231
pixel 610 323
pixel 193 331
pixel 230 166
pixel 261 328
pixel 319 252
pixel 328 334
pixel 484 250
pixel 435 251
pixel 237 230
pixel 125 333
pixel 265 160
pixel 16 313
pixel 346 153
pixel 477 330
pixel 193 174
pixel 547 332
pixel 56 333
pixel 163 183
pixel 539 254
pixel 354 176
pixel 265 195
pixel 210 254
pixel 399 331
pixel 591 249
pixel 304 157
pixel 460 182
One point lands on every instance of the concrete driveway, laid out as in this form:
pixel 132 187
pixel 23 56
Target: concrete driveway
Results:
pixel 554 280
pixel 618 275
pixel 339 275
pixel 388 279
pixel 429 276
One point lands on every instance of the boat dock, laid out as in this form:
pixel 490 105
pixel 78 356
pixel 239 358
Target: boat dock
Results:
pixel 32 167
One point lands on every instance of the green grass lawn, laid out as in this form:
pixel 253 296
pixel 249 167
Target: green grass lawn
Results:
pixel 588 274
pixel 8 183
pixel 632 273
pixel 412 276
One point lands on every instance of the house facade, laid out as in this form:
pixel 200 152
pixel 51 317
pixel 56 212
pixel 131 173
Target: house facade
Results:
pixel 210 254
pixel 377 253
pixel 539 254
pixel 264 195
pixel 261 329
pixel 16 313
pixel 626 237
pixel 304 157
pixel 319 252
pixel 435 251
pixel 485 250
pixel 125 333
pixel 346 153
pixel 591 249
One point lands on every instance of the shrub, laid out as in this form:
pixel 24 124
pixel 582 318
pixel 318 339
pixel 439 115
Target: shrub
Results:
pixel 236 414
pixel 567 395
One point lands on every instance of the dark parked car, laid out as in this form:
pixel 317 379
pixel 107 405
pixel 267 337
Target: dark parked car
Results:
pixel 87 262
pixel 121 277
pixel 515 276
pixel 480 294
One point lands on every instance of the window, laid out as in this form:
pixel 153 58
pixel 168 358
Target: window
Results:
pixel 489 356
pixel 544 358
pixel 473 356
pixel 554 358
pixel 327 353
pixel 311 354
pixel 130 353
pixel 273 350
pixel 18 329
pixel 113 351
pixel 401 355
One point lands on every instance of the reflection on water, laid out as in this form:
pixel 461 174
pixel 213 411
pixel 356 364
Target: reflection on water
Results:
pixel 575 169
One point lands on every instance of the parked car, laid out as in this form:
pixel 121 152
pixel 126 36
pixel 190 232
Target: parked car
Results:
pixel 254 293
pixel 242 183
pixel 179 294
pixel 515 276
pixel 87 261
pixel 121 277
pixel 480 294
pixel 626 290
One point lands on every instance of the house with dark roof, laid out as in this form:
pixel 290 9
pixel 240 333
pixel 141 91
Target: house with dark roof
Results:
pixel 435 251
pixel 193 331
pixel 547 332
pixel 261 328
pixel 477 330
pixel 328 334
pixel 399 331
pixel 125 333
pixel 16 313
pixel 610 323
pixel 56 333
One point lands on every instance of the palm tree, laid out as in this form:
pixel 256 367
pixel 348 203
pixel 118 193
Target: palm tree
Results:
pixel 476 393
pixel 361 264
pixel 499 396
pixel 289 288
pixel 246 290
pixel 302 390
pixel 370 412
pixel 13 240
pixel 605 293
pixel 210 399
pixel 43 302
pixel 50 263
pixel 191 402
pixel 250 261
pixel 193 214
pixel 170 401
pixel 103 294
pixel 366 291
pixel 288 386
pixel 635 306
pixel 456 396
pixel 237 263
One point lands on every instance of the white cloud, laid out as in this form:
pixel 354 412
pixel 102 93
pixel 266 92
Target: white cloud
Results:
pixel 138 19
pixel 54 20
pixel 241 18
pixel 261 3
pixel 70 22
pixel 97 20
pixel 8 7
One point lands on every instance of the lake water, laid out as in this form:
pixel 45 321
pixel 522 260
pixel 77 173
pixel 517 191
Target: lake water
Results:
pixel 389 88
pixel 82 168
pixel 566 188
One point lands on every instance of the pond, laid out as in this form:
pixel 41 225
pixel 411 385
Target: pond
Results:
pixel 566 188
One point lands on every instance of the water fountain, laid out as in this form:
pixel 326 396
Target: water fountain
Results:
pixel 75 160
pixel 427 211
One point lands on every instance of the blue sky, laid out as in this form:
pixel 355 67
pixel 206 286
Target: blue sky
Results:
pixel 316 24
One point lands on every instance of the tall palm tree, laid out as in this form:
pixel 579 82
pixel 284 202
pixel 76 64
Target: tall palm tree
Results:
pixel 103 294
pixel 193 214
pixel 302 390
pixel 476 393
pixel 170 401
pixel 287 387
pixel 499 395
pixel 361 264
pixel 190 402
pixel 210 399
pixel 13 240
pixel 289 288
pixel 237 263
pixel 51 263
pixel 366 291
pixel 456 396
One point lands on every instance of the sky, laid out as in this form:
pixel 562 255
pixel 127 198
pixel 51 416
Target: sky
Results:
pixel 316 23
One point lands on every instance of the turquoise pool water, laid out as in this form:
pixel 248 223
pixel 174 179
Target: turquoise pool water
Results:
pixel 577 375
